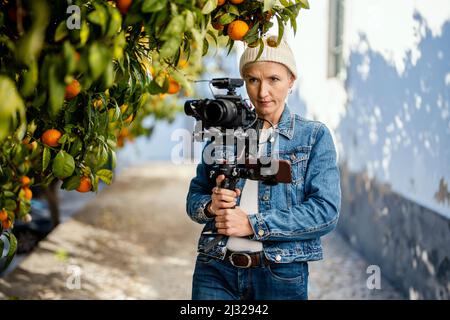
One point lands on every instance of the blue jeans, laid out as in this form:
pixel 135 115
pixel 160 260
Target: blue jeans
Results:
pixel 216 279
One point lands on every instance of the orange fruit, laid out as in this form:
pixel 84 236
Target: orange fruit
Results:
pixel 25 181
pixel 237 29
pixel 120 142
pixel 124 5
pixel 221 2
pixel 174 86
pixel 124 132
pixel 3 215
pixel 72 90
pixel 182 63
pixel 51 137
pixel 6 224
pixel 28 193
pixel 236 1
pixel 85 184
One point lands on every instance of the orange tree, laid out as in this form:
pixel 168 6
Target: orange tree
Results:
pixel 77 76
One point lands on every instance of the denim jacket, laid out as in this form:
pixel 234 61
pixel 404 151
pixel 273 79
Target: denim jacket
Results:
pixel 292 217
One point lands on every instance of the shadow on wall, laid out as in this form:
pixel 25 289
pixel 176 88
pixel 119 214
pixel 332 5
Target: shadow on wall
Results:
pixel 397 127
pixel 395 165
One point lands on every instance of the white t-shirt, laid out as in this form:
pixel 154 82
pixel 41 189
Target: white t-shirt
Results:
pixel 249 203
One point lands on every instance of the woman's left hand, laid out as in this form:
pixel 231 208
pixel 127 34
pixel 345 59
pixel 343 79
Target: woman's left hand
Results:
pixel 233 222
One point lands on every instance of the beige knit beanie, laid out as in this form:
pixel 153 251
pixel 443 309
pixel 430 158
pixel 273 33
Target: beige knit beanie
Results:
pixel 281 54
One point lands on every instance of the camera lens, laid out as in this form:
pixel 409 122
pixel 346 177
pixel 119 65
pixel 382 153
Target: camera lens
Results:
pixel 221 112
pixel 188 108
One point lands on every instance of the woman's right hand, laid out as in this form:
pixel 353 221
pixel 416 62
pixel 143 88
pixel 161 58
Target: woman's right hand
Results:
pixel 222 198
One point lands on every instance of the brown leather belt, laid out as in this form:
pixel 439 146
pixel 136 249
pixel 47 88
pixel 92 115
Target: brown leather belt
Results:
pixel 246 259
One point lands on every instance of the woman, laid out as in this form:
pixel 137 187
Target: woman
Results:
pixel 257 245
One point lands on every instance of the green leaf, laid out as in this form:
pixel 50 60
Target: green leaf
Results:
pixel 76 147
pixel 233 9
pixel 8 246
pixel 304 3
pixel 115 22
pixel 175 28
pixel 205 46
pixel 227 18
pixel 30 79
pixel 45 158
pixel 63 165
pixel 189 19
pixel 84 33
pixel 154 88
pixel 11 104
pixel 253 34
pixel 105 175
pixel 171 46
pixel 31 43
pixel 209 6
pixel 72 183
pixel 261 49
pixel 69 57
pixel 99 57
pixel 213 35
pixel 280 30
pixel 9 194
pixel 57 89
pixel 10 205
pixel 268 4
pixel 61 31
pixel 99 17
pixel 153 5
pixel 113 158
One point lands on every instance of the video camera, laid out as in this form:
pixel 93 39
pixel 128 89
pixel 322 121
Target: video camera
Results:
pixel 229 116
pixel 228 111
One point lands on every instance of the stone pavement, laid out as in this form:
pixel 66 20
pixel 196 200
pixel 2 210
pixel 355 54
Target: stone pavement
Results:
pixel 135 241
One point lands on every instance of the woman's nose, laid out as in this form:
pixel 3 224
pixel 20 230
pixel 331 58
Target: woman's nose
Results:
pixel 263 90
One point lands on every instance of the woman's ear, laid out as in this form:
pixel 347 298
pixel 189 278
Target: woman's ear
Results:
pixel 291 79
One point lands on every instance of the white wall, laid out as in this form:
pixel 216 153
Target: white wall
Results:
pixel 391 32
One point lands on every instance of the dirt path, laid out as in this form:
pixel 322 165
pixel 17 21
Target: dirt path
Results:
pixel 135 241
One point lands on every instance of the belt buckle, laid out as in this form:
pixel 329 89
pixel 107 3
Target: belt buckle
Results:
pixel 249 259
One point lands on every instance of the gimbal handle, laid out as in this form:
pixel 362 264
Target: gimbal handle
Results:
pixel 229 183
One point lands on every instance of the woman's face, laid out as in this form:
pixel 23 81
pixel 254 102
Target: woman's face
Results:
pixel 268 84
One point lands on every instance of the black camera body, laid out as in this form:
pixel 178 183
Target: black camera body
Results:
pixel 227 111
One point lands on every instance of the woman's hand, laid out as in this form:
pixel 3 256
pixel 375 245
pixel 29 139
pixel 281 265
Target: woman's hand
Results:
pixel 233 222
pixel 230 219
pixel 222 198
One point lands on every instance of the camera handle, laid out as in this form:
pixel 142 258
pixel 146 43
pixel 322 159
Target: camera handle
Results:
pixel 230 182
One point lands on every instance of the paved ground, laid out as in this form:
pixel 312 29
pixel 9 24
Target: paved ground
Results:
pixel 135 241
